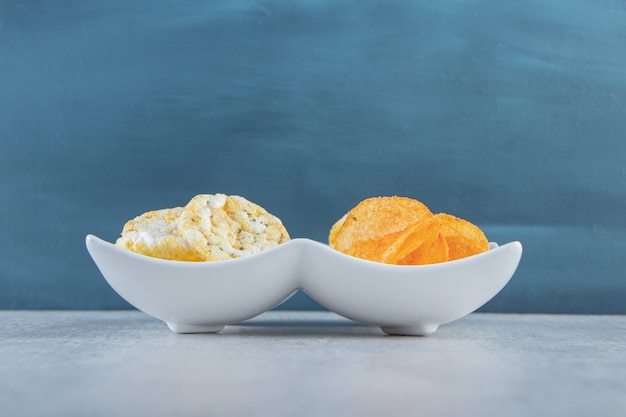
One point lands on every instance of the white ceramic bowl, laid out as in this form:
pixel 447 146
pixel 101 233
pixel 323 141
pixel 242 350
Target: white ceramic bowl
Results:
pixel 194 297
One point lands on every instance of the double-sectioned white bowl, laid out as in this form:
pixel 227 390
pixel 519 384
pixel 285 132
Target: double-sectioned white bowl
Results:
pixel 196 297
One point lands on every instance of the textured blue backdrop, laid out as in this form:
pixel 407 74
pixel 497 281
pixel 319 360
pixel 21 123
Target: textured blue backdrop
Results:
pixel 509 114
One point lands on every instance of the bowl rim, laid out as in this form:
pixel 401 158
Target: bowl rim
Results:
pixel 92 239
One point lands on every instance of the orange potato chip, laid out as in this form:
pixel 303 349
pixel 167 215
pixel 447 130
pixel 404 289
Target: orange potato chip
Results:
pixel 393 247
pixel 403 231
pixel 372 250
pixel 430 252
pixel 463 238
pixel 332 236
pixel 439 251
pixel 377 217
pixel 421 234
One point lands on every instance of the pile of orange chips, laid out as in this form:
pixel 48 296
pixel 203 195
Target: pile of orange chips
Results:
pixel 403 231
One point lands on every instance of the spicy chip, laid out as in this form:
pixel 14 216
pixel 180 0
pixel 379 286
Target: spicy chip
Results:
pixel 377 217
pixel 433 250
pixel 463 238
pixel 421 234
pixel 403 231
pixel 334 231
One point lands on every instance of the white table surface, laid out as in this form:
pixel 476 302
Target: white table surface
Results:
pixel 125 363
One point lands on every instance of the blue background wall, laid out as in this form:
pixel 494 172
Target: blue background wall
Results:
pixel 509 114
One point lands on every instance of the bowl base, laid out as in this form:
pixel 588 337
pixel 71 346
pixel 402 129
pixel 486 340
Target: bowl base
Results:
pixel 420 329
pixel 178 327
